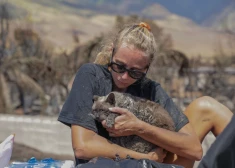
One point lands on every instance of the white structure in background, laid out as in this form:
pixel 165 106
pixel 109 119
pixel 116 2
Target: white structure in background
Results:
pixel 6 150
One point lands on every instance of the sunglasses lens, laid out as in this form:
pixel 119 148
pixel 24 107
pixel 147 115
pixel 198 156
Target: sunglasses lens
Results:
pixel 121 69
pixel 136 75
pixel 118 68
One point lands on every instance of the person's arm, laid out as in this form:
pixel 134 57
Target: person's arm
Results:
pixel 87 144
pixel 184 142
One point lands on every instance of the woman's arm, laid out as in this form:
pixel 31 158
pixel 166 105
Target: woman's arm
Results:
pixel 184 143
pixel 87 144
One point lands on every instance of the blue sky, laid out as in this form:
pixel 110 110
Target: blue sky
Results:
pixel 197 10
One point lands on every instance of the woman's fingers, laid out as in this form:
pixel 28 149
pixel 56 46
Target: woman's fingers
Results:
pixel 104 123
pixel 161 153
pixel 112 134
pixel 118 110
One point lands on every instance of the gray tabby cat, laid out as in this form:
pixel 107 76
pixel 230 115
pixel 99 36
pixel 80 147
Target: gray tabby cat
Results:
pixel 145 110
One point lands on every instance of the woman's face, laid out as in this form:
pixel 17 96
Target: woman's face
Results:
pixel 132 59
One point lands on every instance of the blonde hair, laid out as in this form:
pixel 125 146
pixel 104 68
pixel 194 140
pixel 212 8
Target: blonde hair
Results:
pixel 138 35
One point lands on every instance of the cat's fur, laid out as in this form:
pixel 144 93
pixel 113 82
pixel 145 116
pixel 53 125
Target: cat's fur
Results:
pixel 145 110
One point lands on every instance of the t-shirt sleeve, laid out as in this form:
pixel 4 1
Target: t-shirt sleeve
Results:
pixel 161 97
pixel 77 106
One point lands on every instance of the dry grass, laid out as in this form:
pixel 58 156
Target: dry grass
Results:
pixel 56 23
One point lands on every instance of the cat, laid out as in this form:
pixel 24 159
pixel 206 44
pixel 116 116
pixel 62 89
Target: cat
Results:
pixel 145 110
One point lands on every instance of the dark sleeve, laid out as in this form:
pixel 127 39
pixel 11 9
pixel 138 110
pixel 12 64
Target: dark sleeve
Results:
pixel 221 153
pixel 160 96
pixel 78 104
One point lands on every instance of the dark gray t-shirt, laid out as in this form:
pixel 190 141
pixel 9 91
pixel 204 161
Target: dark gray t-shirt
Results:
pixel 92 79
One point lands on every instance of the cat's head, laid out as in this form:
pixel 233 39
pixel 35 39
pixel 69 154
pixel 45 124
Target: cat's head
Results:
pixel 101 104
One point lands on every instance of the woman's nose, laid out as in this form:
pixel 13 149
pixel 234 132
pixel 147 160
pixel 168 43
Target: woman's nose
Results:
pixel 125 75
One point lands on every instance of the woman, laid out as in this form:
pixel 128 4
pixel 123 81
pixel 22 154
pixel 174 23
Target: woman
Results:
pixel 132 52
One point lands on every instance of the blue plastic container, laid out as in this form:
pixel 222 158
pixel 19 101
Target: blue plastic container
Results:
pixel 45 163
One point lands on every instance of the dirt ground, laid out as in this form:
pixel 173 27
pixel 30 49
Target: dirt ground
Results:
pixel 23 153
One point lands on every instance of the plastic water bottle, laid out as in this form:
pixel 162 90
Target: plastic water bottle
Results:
pixel 45 163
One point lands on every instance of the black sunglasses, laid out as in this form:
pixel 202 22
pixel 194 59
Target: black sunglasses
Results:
pixel 121 69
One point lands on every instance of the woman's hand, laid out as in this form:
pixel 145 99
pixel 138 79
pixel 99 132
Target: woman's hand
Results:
pixel 157 155
pixel 124 125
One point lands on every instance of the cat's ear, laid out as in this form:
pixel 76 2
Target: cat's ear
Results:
pixel 111 98
pixel 95 98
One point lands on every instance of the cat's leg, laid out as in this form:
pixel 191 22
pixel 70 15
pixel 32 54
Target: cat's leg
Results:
pixel 205 114
pixel 137 144
pixel 110 120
